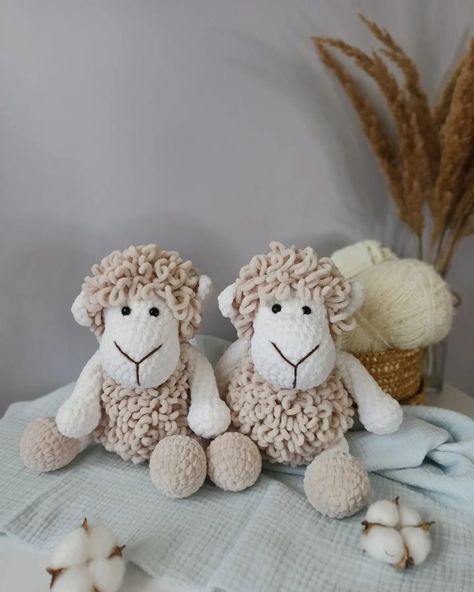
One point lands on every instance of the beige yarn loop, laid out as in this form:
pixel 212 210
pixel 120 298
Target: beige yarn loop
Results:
pixel 289 426
pixel 141 272
pixel 284 272
pixel 134 420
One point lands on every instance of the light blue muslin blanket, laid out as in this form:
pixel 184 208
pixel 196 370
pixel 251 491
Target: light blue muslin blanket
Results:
pixel 267 538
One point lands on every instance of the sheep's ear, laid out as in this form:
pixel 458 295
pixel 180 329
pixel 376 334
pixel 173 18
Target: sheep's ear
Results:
pixel 79 311
pixel 225 299
pixel 204 288
pixel 357 297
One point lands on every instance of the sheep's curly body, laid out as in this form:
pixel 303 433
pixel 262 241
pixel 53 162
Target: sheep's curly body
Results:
pixel 146 393
pixel 134 420
pixel 286 384
pixel 289 426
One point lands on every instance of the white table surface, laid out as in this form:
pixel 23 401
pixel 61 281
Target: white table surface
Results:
pixel 23 570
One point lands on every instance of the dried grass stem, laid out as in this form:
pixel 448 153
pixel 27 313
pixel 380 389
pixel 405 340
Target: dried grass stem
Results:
pixel 429 165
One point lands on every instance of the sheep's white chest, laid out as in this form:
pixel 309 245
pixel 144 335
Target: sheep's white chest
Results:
pixel 289 426
pixel 134 420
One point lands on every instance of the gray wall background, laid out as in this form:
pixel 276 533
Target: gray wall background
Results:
pixel 209 127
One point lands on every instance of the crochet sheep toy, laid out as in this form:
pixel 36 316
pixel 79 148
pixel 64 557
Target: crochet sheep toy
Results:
pixel 146 393
pixel 287 386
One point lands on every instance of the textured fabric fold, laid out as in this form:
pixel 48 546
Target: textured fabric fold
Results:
pixel 265 538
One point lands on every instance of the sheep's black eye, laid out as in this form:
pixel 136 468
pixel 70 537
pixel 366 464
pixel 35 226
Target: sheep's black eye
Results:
pixel 276 308
pixel 306 310
pixel 154 312
pixel 126 311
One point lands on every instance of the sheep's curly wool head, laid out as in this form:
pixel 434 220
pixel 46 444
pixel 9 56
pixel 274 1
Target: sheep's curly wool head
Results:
pixel 139 273
pixel 141 303
pixel 290 304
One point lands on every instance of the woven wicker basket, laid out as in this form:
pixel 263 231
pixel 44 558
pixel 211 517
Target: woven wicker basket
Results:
pixel 398 372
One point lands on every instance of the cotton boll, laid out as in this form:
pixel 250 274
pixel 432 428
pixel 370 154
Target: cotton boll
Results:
pixel 383 512
pixel 408 516
pixel 396 534
pixel 107 574
pixel 101 541
pixel 383 543
pixel 418 542
pixel 74 579
pixel 72 550
pixel 87 559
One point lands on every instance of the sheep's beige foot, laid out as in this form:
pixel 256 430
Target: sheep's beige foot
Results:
pixel 43 448
pixel 234 461
pixel 178 466
pixel 336 484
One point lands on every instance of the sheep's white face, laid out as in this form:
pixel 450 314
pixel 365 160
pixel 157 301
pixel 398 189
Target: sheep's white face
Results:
pixel 291 345
pixel 140 344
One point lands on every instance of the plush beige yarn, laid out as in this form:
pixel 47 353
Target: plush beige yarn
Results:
pixel 286 271
pixel 141 272
pixel 43 448
pixel 134 420
pixel 178 466
pixel 234 461
pixel 407 305
pixel 289 426
pixel 336 484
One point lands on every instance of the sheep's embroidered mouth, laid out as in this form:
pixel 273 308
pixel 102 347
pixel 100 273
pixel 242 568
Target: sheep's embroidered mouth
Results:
pixel 137 363
pixel 294 366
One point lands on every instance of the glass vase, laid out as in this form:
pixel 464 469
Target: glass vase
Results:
pixel 434 365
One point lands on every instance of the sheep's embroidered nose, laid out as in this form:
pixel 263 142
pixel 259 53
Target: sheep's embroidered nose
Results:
pixel 137 363
pixel 294 366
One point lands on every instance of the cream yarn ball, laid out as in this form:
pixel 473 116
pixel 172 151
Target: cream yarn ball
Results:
pixel 407 305
pixel 353 259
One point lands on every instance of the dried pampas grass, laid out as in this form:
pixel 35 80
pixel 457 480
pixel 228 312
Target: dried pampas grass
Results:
pixel 429 165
